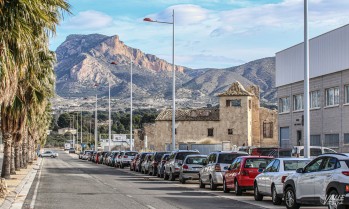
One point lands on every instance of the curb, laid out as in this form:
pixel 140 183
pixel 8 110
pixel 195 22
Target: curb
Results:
pixel 26 181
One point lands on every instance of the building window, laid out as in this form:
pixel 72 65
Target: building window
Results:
pixel 230 131
pixel 233 103
pixel 210 132
pixel 298 102
pixel 346 88
pixel 175 130
pixel 314 99
pixel 332 96
pixel 315 140
pixel 268 128
pixel 346 138
pixel 284 104
pixel 331 140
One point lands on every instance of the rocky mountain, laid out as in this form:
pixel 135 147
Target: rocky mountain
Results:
pixel 86 60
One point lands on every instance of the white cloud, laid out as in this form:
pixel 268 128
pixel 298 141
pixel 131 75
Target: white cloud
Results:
pixel 88 20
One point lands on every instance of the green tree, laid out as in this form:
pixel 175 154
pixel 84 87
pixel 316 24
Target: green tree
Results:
pixel 64 120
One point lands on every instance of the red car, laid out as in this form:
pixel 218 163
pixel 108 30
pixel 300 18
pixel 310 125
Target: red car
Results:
pixel 242 172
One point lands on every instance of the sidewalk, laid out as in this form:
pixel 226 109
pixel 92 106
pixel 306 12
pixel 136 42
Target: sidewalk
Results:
pixel 18 186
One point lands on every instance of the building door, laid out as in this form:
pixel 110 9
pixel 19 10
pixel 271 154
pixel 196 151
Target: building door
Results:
pixel 285 137
pixel 299 137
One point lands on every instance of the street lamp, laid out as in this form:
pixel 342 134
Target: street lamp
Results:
pixel 96 123
pixel 306 85
pixel 173 78
pixel 131 104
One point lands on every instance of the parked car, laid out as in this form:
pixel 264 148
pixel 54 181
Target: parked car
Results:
pixel 98 157
pixel 242 172
pixel 49 153
pixel 87 156
pixel 71 150
pixel 315 151
pixel 114 157
pixel 146 162
pixel 324 178
pixel 161 165
pixel 190 168
pixel 270 182
pixel 101 157
pixel 215 166
pixel 171 171
pixel 140 161
pixel 155 160
pixel 133 162
pixel 126 158
pixel 118 159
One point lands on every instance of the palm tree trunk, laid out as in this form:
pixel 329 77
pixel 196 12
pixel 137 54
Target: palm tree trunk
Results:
pixel 13 169
pixel 24 150
pixel 6 164
pixel 17 153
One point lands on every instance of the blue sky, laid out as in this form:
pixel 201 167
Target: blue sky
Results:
pixel 208 33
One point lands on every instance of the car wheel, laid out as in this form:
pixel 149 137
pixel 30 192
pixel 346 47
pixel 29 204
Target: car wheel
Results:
pixel 165 176
pixel 290 199
pixel 225 189
pixel 257 195
pixel 333 201
pixel 153 172
pixel 172 176
pixel 40 155
pixel 238 190
pixel 52 156
pixel 201 184
pixel 274 196
pixel 213 186
pixel 122 166
pixel 181 179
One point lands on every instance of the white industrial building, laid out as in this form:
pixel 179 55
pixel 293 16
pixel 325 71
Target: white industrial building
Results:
pixel 329 91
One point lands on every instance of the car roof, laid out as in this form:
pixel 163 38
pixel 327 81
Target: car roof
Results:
pixel 293 158
pixel 196 156
pixel 186 151
pixel 256 156
pixel 339 156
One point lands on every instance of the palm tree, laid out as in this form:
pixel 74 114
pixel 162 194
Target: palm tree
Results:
pixel 25 28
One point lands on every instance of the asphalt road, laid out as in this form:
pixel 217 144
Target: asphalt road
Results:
pixel 67 182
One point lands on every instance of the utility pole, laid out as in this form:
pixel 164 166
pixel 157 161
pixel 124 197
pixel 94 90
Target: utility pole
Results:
pixel 96 128
pixel 306 85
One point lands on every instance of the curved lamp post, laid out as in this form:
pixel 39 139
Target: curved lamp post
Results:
pixel 173 79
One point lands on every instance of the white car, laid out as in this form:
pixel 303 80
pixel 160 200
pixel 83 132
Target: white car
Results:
pixel 49 153
pixel 324 181
pixel 271 180
pixel 314 151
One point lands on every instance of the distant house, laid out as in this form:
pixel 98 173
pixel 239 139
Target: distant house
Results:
pixel 63 131
pixel 239 119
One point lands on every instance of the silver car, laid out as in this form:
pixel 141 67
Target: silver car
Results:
pixel 126 158
pixel 146 163
pixel 172 166
pixel 191 167
pixel 217 163
pixel 49 153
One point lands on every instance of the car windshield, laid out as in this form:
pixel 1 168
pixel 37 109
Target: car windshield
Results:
pixel 228 158
pixel 256 162
pixel 195 160
pixel 284 153
pixel 292 165
pixel 182 155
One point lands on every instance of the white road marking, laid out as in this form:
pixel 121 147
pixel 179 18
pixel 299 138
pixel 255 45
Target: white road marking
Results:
pixel 129 196
pixel 150 207
pixel 32 203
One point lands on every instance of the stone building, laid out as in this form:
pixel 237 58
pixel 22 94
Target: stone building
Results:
pixel 239 119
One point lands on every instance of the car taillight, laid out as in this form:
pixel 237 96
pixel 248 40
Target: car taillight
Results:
pixel 283 178
pixel 244 173
pixel 119 156
pixel 185 167
pixel 125 156
pixel 345 173
pixel 217 168
pixel 346 188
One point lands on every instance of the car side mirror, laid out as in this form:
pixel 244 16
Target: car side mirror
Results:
pixel 260 170
pixel 300 170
